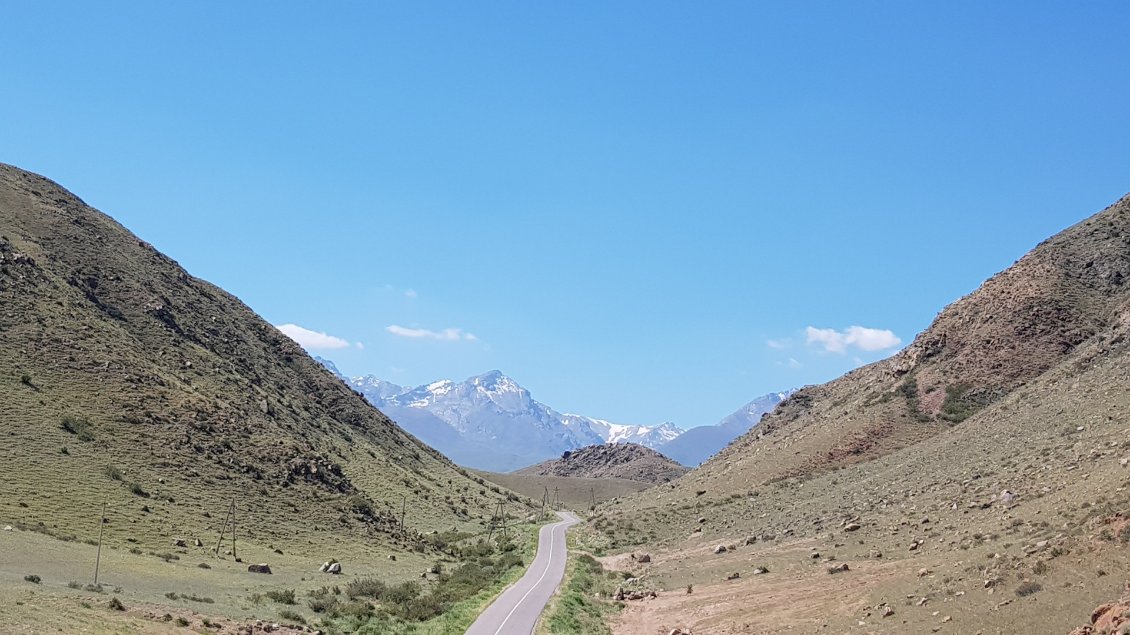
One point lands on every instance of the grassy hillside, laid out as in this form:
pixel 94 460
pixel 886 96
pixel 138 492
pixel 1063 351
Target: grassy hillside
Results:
pixel 900 469
pixel 127 382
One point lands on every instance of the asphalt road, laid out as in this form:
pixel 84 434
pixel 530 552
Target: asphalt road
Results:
pixel 516 611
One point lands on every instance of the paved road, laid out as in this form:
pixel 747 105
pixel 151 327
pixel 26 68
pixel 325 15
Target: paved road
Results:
pixel 516 611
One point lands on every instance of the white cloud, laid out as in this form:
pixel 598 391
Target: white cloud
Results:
pixel 360 346
pixel 410 293
pixel 446 335
pixel 778 344
pixel 861 337
pixel 791 364
pixel 311 339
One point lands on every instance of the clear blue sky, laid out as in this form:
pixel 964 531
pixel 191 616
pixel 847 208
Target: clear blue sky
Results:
pixel 637 210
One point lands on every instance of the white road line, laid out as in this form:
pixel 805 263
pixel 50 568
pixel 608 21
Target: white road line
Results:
pixel 552 538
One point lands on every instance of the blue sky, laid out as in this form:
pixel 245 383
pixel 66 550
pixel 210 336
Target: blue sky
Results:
pixel 641 211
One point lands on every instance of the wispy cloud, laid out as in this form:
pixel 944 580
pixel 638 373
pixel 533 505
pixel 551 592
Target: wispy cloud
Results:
pixel 791 364
pixel 411 293
pixel 860 337
pixel 313 339
pixel 779 345
pixel 446 335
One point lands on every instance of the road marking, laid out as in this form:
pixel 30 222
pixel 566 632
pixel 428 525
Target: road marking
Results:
pixel 552 538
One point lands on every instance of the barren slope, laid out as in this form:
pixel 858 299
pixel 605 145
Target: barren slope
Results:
pixel 886 461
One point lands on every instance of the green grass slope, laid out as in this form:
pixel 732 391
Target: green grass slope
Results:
pixel 126 381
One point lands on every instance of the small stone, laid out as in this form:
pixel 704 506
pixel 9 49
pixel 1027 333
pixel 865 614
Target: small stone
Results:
pixel 720 549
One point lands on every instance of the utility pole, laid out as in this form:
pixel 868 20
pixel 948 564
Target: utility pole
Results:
pixel 229 518
pixel 403 509
pixel 592 490
pixel 544 502
pixel 98 556
pixel 556 498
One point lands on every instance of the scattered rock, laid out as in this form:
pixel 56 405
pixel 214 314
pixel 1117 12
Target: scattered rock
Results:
pixel 1006 497
pixel 720 549
pixel 852 527
pixel 259 568
pixel 197 543
pixel 923 572
pixel 392 557
pixel 760 571
pixel 644 558
pixel 734 576
pixel 180 542
pixel 886 611
pixel 839 568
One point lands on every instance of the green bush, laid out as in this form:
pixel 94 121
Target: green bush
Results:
pixel 282 596
pixel 34 579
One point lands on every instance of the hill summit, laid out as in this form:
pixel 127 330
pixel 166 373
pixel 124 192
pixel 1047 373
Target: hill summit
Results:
pixel 620 460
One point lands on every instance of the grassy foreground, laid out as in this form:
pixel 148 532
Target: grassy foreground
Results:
pixel 584 601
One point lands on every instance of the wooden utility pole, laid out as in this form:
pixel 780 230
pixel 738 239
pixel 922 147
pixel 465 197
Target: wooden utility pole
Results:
pixel 592 490
pixel 544 501
pixel 230 517
pixel 233 554
pixel 98 556
pixel 556 499
pixel 493 520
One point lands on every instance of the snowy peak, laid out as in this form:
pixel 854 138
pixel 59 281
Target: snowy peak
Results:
pixel 648 436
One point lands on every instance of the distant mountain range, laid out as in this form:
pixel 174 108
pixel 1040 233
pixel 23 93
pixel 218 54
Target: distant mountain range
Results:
pixel 491 422
pixel 698 444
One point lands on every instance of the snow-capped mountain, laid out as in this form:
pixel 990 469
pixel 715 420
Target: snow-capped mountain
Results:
pixel 491 422
pixel 698 444
pixel 649 436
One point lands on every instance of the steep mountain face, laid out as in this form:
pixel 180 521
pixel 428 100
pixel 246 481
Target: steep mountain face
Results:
pixel 118 367
pixel 491 422
pixel 615 460
pixel 1015 327
pixel 698 444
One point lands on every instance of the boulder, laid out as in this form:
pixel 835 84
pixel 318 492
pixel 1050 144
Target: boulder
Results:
pixel 259 568
pixel 852 527
pixel 180 542
pixel 720 549
pixel 644 558
pixel 334 568
pixel 839 568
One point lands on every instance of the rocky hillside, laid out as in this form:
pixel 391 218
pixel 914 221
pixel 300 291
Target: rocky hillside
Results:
pixel 125 380
pixel 982 470
pixel 621 460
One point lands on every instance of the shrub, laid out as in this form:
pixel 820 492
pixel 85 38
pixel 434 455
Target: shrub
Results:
pixel 282 596
pixel 74 585
pixel 78 427
pixel 365 587
pixel 34 579
pixel 1028 587
pixel 137 490
pixel 113 472
pixel 181 622
pixel 292 616
pixel 116 604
